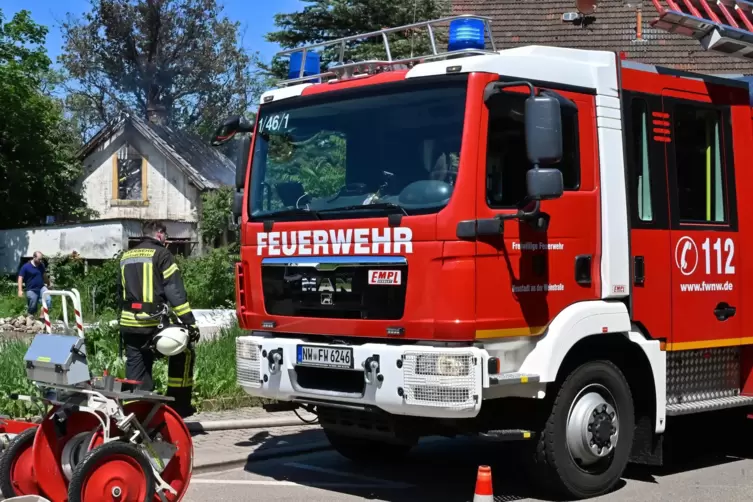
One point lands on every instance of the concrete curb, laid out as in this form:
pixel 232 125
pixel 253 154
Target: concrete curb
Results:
pixel 283 451
pixel 251 423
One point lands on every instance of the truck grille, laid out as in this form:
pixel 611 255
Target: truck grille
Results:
pixel 333 288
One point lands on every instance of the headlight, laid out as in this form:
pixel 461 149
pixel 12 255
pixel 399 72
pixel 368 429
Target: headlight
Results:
pixel 443 365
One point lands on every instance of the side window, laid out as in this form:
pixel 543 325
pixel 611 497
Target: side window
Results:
pixel 640 157
pixel 699 161
pixel 506 157
pixel 128 166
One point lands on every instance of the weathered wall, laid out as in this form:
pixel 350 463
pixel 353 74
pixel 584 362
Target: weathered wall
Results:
pixel 93 241
pixel 170 196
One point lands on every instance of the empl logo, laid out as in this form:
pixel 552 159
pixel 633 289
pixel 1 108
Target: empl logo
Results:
pixel 686 255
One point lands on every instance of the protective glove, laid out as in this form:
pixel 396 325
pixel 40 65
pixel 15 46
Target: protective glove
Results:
pixel 193 333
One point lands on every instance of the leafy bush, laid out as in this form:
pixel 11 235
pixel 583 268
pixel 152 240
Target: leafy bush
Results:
pixel 10 304
pixel 13 379
pixel 210 279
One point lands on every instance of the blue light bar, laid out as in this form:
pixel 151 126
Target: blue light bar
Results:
pixel 312 66
pixel 466 34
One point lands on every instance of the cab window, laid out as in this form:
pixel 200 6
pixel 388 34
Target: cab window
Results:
pixel 700 157
pixel 506 158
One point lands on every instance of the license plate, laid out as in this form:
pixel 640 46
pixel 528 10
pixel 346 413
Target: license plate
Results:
pixel 331 357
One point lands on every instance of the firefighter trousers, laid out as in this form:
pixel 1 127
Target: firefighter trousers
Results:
pixel 180 369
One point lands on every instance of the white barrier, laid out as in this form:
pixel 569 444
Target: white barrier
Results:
pixel 75 298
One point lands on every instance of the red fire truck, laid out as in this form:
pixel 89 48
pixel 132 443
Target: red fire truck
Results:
pixel 536 243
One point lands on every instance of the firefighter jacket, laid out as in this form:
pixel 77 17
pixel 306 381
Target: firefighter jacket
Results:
pixel 149 278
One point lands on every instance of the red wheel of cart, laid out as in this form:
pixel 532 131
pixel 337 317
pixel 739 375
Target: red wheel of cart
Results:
pixel 116 471
pixel 49 443
pixel 173 430
pixel 17 466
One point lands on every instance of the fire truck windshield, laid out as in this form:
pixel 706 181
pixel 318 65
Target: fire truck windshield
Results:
pixel 394 147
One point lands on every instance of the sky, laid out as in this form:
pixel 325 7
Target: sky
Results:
pixel 256 18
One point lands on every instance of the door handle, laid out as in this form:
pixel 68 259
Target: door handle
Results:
pixel 724 311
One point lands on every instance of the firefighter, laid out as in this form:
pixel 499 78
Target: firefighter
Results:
pixel 149 279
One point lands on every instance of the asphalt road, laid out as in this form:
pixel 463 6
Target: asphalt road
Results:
pixel 446 470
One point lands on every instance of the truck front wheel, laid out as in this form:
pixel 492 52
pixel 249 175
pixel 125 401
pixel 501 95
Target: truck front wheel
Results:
pixel 366 450
pixel 585 443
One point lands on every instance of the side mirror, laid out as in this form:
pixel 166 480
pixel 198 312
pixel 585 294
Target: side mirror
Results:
pixel 237 205
pixel 229 128
pixel 242 162
pixel 543 126
pixel 544 183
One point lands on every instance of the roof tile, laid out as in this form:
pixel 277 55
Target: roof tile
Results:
pixel 612 28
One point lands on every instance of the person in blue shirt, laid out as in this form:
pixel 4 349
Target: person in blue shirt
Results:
pixel 33 275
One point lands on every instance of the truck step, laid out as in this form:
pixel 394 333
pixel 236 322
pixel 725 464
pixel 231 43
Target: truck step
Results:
pixel 720 403
pixel 512 378
pixel 506 435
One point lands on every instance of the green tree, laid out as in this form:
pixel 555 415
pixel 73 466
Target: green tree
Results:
pixel 37 145
pixel 216 209
pixel 180 56
pixel 324 20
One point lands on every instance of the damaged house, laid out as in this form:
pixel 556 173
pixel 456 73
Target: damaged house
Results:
pixel 134 170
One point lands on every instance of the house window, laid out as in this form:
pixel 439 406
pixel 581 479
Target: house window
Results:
pixel 700 164
pixel 129 175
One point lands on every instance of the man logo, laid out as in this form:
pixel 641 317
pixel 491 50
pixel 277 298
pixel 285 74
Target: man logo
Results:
pixel 327 299
pixel 324 285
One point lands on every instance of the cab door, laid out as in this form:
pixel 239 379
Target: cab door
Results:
pixel 704 242
pixel 526 276
pixel 648 203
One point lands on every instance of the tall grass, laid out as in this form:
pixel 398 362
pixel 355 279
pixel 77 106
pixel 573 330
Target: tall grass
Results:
pixel 214 372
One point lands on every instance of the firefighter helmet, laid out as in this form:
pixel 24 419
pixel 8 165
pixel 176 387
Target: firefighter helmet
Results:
pixel 171 341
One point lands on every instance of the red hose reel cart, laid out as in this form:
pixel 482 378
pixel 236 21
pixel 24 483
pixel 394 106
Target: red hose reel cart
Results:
pixel 100 440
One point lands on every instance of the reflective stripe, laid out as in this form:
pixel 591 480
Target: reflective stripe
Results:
pixel 131 323
pixel 187 379
pixel 178 384
pixel 170 270
pixel 147 291
pixel 122 280
pixel 182 309
pixel 129 320
pixel 129 261
pixel 130 315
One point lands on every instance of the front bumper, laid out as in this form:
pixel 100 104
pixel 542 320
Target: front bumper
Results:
pixel 415 380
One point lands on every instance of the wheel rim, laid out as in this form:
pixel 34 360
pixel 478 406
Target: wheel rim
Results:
pixel 22 473
pixel 178 471
pixel 115 478
pixel 51 480
pixel 593 428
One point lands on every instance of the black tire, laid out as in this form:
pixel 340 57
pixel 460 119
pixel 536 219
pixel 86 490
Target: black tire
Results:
pixel 97 456
pixel 16 447
pixel 554 465
pixel 366 450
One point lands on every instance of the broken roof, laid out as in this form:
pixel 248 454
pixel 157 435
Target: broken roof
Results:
pixel 204 165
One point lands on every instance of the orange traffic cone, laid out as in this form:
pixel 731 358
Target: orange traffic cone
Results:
pixel 484 492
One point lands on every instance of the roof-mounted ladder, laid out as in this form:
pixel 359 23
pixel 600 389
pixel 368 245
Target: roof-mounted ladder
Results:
pixel 346 69
pixel 723 26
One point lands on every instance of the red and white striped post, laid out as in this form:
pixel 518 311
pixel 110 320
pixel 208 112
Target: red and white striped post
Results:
pixel 75 298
